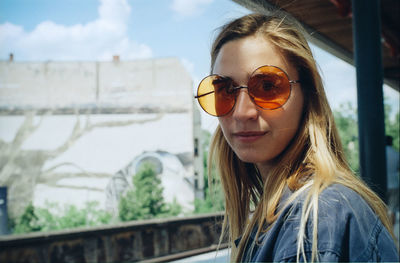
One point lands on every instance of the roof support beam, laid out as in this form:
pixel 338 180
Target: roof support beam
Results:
pixel 369 70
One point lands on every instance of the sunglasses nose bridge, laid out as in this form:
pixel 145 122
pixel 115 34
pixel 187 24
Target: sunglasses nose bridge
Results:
pixel 239 88
pixel 241 102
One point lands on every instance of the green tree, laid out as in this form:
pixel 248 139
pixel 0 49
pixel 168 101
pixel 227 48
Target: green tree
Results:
pixel 213 194
pixel 346 123
pixel 146 199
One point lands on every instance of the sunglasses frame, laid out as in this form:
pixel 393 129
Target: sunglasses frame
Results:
pixel 291 82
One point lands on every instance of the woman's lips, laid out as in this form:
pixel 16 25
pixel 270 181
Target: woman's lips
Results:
pixel 249 136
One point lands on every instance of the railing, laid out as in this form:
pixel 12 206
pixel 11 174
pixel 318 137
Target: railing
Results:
pixel 151 241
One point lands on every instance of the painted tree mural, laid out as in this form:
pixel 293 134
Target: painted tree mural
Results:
pixel 21 170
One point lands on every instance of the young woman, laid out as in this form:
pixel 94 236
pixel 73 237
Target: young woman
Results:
pixel 289 192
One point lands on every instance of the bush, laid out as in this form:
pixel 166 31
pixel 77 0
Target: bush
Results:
pixel 212 203
pixel 53 217
pixel 146 199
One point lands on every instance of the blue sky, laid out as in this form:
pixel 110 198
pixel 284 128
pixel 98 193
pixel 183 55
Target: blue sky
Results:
pixel 161 28
pixel 44 30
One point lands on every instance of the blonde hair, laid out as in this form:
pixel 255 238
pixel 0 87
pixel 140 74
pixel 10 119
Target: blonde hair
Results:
pixel 313 160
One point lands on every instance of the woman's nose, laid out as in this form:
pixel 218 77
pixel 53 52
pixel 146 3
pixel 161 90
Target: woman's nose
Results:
pixel 244 108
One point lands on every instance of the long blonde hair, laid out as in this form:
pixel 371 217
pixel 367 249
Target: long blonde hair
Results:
pixel 313 159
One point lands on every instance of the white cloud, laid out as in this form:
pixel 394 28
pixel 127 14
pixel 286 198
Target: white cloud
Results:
pixel 185 8
pixel 97 40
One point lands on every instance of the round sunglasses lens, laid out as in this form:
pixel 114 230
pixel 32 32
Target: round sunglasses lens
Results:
pixel 269 87
pixel 214 95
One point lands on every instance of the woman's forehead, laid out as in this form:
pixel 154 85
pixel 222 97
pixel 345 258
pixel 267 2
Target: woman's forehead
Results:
pixel 239 58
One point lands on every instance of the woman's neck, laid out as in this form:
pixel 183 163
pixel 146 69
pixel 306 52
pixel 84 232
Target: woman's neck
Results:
pixel 264 169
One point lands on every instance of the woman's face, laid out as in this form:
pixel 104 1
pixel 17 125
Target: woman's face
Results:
pixel 254 134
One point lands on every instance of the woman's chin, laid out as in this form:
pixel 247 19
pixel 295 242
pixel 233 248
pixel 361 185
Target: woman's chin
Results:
pixel 252 158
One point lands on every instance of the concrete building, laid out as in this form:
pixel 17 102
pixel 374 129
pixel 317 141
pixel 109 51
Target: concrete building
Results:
pixel 153 84
pixel 67 127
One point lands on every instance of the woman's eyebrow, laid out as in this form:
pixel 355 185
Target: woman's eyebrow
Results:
pixel 221 79
pixel 230 77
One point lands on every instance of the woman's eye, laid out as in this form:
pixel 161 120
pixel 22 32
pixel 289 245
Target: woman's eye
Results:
pixel 268 86
pixel 230 89
pixel 223 85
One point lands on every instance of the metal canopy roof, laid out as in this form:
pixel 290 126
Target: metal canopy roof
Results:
pixel 329 23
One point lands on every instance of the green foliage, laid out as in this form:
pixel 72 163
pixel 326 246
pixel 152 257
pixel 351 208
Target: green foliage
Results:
pixel 213 202
pixel 213 195
pixel 146 199
pixel 346 122
pixel 27 222
pixel 53 217
pixel 143 202
pixel 392 126
pixel 171 209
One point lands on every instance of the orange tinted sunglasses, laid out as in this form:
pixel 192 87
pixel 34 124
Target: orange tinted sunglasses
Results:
pixel 269 88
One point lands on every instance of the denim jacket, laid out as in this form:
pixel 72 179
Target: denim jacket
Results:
pixel 348 231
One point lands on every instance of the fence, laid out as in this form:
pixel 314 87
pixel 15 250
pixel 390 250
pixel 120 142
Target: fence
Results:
pixel 152 241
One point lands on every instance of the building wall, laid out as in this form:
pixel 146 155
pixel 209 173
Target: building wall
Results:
pixel 162 83
pixel 48 84
pixel 153 83
pixel 67 127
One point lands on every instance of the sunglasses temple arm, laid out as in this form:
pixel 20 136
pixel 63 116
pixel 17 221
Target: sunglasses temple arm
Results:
pixel 202 95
